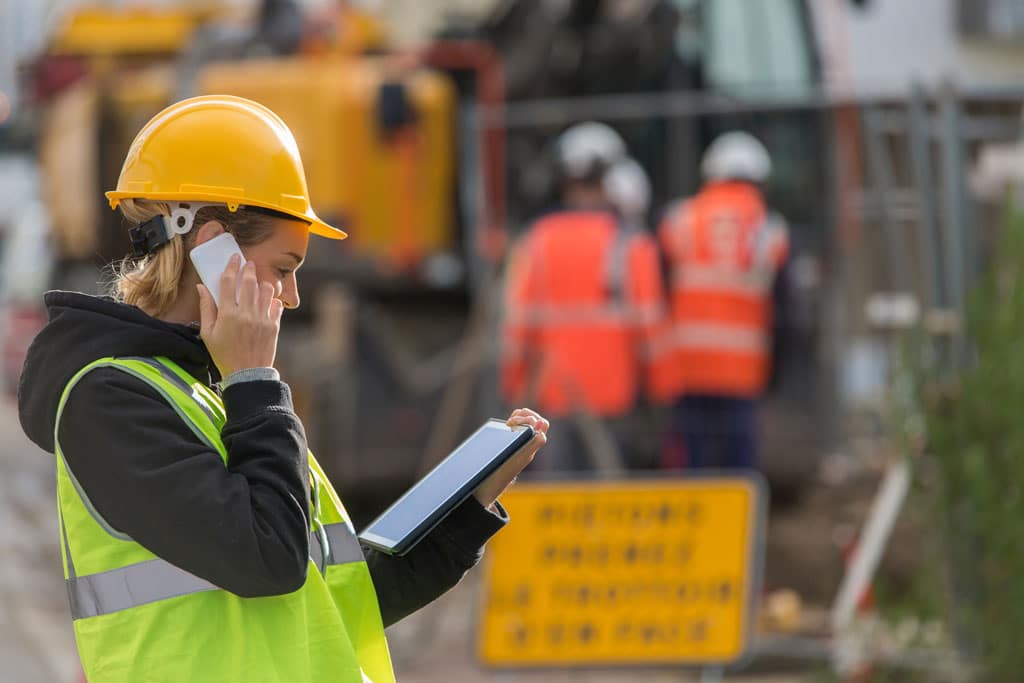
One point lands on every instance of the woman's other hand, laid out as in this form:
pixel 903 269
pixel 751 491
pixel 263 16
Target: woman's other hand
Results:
pixel 495 485
pixel 240 334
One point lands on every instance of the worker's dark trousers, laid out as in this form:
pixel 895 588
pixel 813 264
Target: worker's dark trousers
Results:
pixel 717 431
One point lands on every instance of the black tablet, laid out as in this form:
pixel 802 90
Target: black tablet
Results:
pixel 444 488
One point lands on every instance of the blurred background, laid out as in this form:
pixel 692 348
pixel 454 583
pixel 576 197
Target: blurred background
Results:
pixel 432 131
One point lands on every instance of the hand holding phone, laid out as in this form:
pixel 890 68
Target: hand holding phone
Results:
pixel 240 332
pixel 211 260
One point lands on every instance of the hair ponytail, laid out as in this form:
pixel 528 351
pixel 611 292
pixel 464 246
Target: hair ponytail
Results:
pixel 154 282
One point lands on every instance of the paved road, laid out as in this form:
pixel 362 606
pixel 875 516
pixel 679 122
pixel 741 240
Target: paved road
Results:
pixel 36 641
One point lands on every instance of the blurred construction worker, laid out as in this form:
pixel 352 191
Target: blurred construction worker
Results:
pixel 582 299
pixel 724 248
pixel 201 540
pixel 628 189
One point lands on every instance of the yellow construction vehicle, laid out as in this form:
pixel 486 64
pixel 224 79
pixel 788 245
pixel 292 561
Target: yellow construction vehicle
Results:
pixel 377 144
pixel 376 137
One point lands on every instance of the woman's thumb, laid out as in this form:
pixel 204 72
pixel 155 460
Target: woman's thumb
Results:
pixel 207 310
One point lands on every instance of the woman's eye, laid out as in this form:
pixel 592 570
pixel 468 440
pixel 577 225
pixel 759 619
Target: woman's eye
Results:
pixel 283 272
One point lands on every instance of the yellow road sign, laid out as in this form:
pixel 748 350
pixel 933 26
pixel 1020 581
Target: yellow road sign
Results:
pixel 620 573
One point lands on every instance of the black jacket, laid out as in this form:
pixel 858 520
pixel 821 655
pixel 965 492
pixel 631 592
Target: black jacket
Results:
pixel 244 527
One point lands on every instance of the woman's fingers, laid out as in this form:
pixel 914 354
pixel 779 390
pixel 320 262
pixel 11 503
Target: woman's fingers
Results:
pixel 494 485
pixel 537 442
pixel 525 416
pixel 248 296
pixel 540 426
pixel 229 284
pixel 532 419
pixel 265 296
pixel 207 311
pixel 276 311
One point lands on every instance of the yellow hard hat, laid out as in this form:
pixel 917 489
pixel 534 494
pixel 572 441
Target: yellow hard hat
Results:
pixel 220 149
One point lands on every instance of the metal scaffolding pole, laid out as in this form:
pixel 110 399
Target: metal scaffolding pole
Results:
pixel 954 197
pixel 556 112
pixel 928 240
pixel 882 185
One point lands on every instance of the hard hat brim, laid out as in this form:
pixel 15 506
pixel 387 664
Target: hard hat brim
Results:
pixel 316 225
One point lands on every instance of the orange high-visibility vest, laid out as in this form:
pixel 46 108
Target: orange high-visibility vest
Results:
pixel 583 317
pixel 724 249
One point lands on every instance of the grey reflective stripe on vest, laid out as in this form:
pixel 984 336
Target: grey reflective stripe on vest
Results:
pixel 131 586
pixel 156 579
pixel 342 546
pixel 316 550
pixel 617 265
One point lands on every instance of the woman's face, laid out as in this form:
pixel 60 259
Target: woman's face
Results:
pixel 278 257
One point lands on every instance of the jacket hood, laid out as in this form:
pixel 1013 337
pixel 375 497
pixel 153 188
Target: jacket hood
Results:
pixel 82 329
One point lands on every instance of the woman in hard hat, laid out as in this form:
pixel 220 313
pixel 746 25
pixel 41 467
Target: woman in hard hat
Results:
pixel 200 539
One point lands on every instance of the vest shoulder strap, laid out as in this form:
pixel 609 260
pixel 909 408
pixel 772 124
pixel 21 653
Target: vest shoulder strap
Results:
pixel 617 263
pixel 196 411
pixel 170 386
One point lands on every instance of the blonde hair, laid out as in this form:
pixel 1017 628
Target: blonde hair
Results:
pixel 155 281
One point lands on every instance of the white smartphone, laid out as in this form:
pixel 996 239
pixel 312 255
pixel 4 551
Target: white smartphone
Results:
pixel 211 259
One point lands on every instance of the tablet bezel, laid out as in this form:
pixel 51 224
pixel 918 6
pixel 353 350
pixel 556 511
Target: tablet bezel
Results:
pixel 400 547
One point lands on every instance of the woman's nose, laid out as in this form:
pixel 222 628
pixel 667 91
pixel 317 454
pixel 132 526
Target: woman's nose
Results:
pixel 288 292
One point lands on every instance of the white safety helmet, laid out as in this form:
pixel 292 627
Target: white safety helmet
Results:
pixel 586 150
pixel 736 155
pixel 628 188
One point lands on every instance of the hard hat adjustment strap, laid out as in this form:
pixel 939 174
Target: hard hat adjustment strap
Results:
pixel 148 237
pixel 160 229
pixel 183 215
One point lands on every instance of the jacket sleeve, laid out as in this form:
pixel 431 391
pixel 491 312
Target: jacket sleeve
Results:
pixel 244 526
pixel 405 584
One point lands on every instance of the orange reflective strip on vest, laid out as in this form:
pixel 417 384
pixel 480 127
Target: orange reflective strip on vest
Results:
pixel 720 338
pixel 697 277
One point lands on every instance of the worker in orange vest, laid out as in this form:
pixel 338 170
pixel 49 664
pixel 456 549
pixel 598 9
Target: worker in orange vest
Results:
pixel 724 249
pixel 583 306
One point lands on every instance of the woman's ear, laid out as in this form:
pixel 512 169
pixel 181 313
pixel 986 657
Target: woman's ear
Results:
pixel 207 231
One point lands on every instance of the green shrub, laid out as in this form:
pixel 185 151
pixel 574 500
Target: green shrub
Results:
pixel 975 432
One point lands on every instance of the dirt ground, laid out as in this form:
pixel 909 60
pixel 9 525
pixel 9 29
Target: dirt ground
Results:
pixel 36 641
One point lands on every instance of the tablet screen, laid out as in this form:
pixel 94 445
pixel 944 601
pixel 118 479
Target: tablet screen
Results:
pixel 463 465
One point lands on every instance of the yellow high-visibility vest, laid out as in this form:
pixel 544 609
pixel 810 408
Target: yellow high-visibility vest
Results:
pixel 139 618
